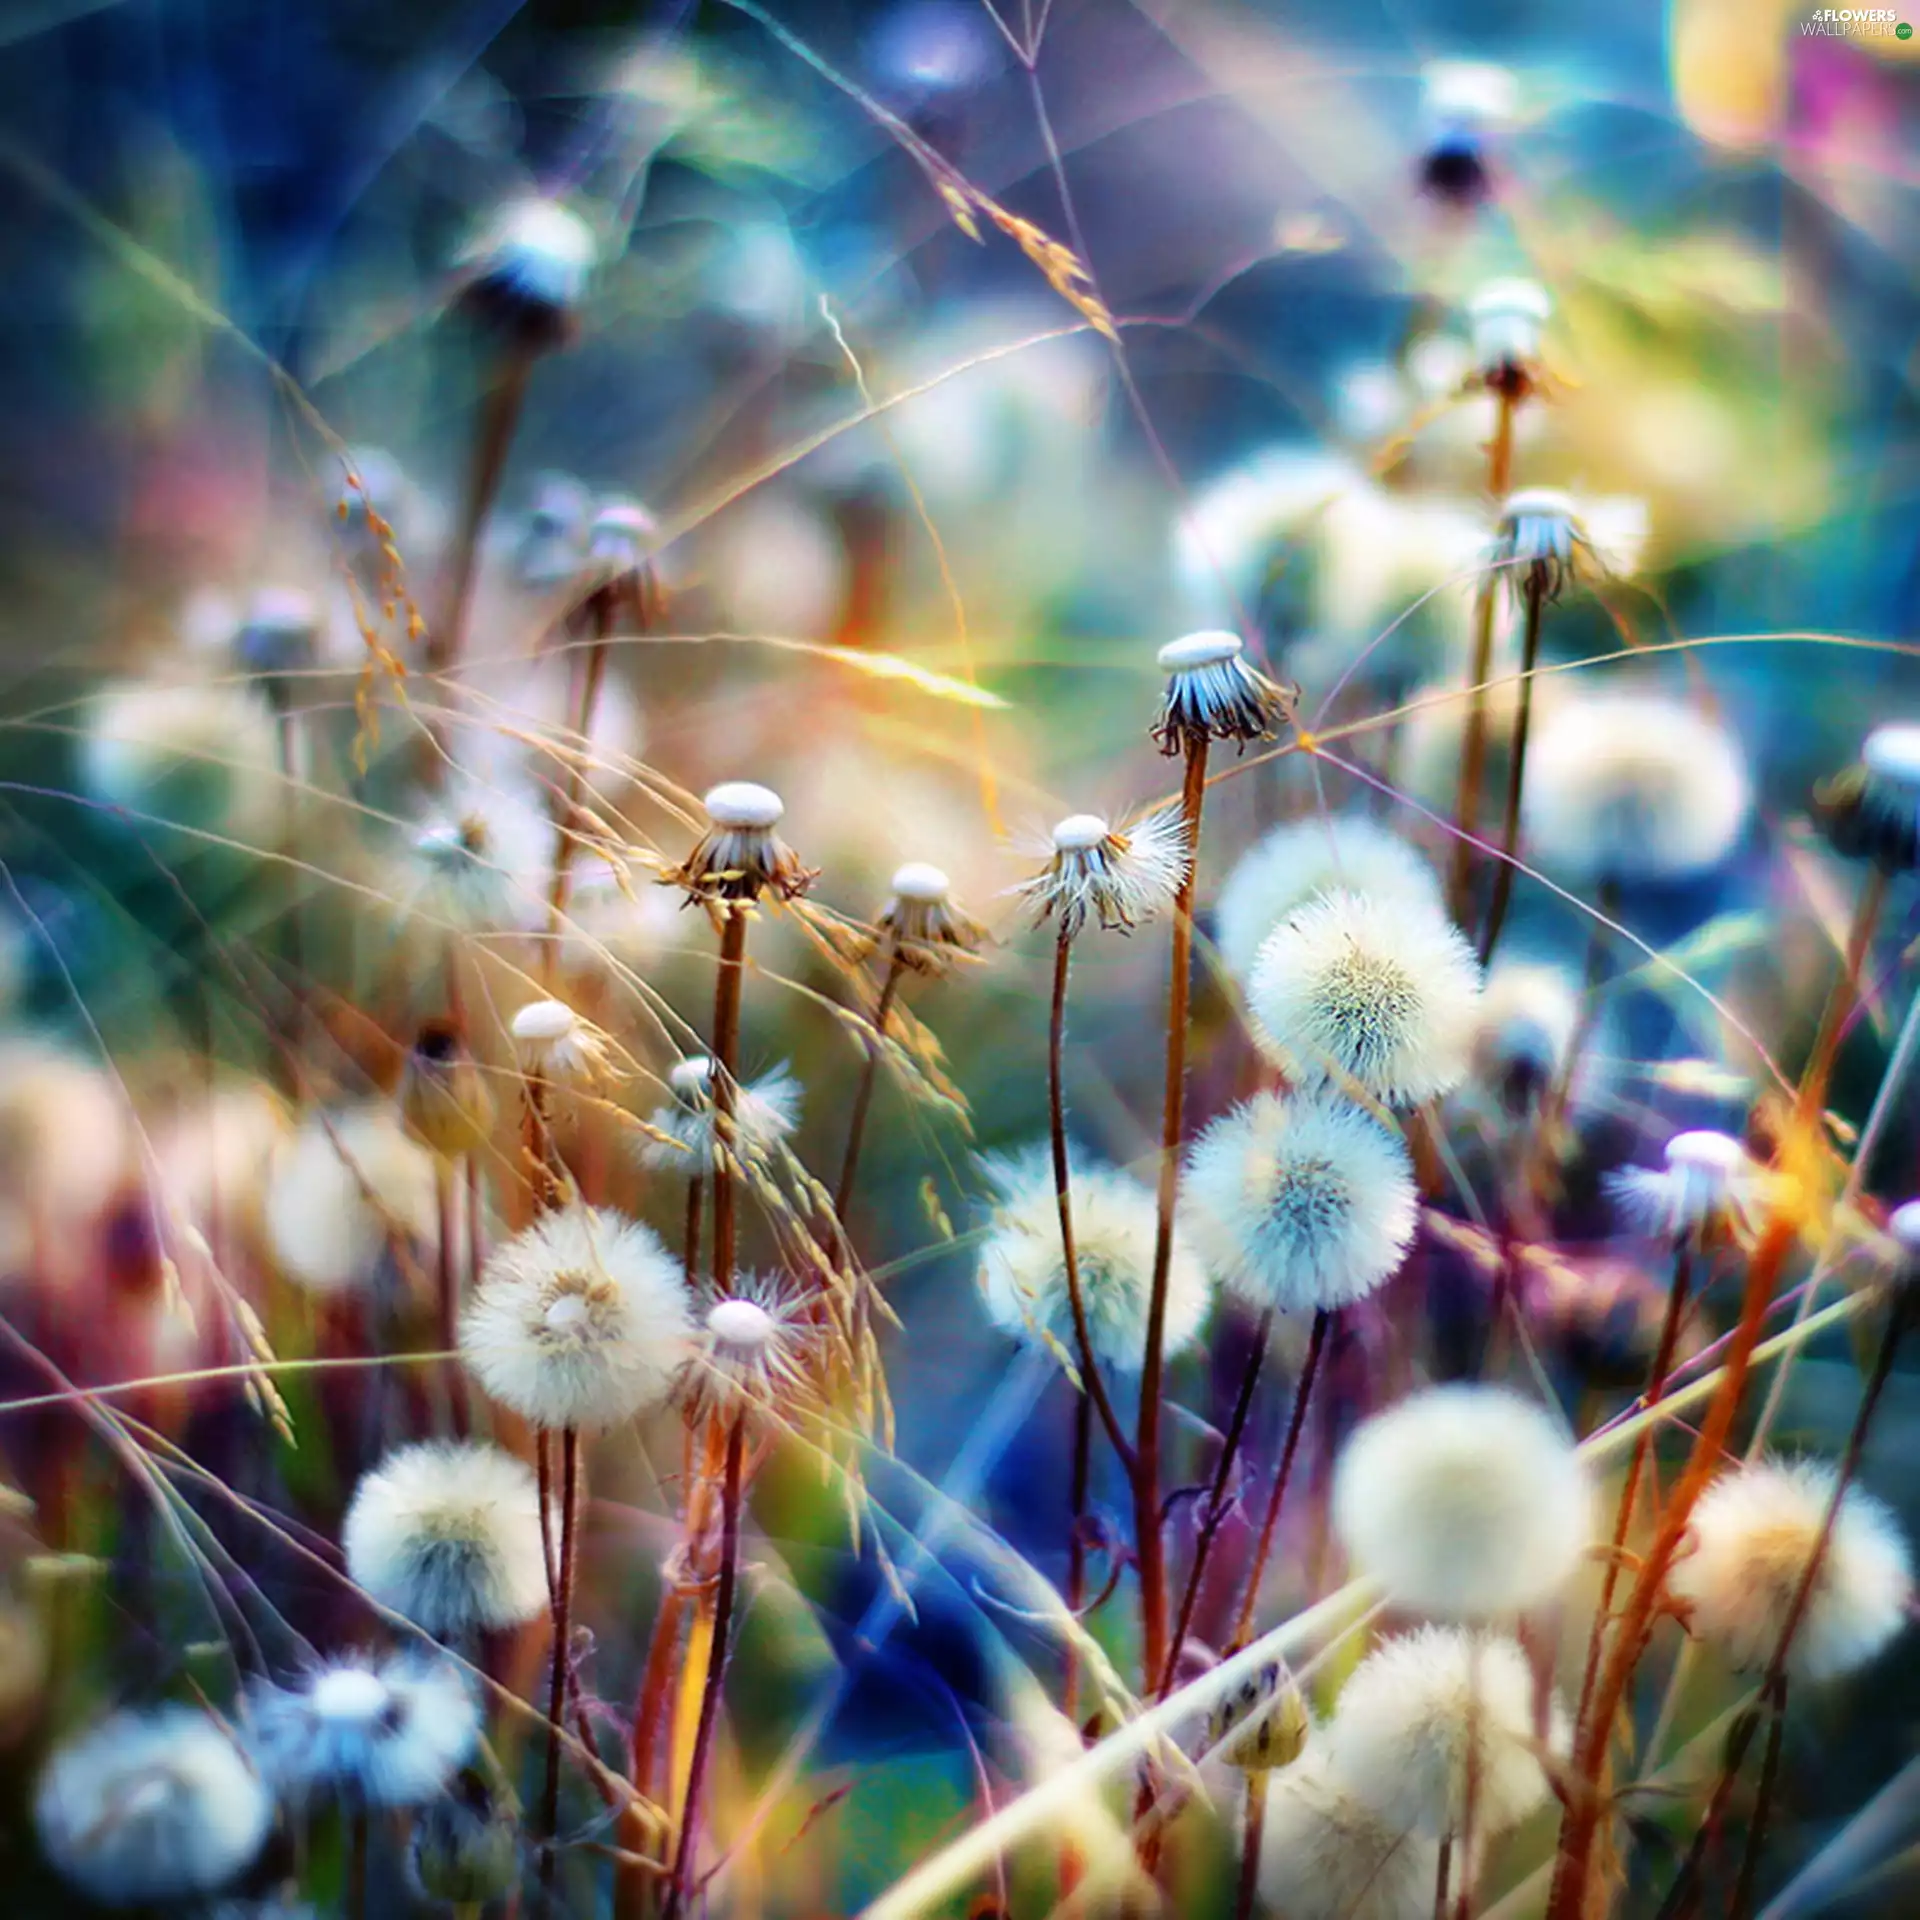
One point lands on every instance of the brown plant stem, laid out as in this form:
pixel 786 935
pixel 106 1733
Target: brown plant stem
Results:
pixel 1442 1875
pixel 1076 1545
pixel 1296 1423
pixel 500 407
pixel 863 1093
pixel 1149 1544
pixel 446 1202
pixel 1743 1886
pixel 556 1691
pixel 1215 1514
pixel 1255 1823
pixel 726 1089
pixel 716 1667
pixel 1516 777
pixel 593 674
pixel 696 1206
pixel 1843 997
pixel 356 1869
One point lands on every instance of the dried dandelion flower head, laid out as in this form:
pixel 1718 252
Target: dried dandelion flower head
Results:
pixel 1711 1189
pixel 280 634
pixel 1023 1274
pixel 386 1733
pixel 1465 105
pixel 1262 1724
pixel 1378 993
pixel 1299 1204
pixel 1294 863
pixel 443 1095
pixel 921 925
pixel 1754 1532
pixel 1327 1855
pixel 527 271
pixel 581 1320
pixel 1213 694
pixel 1505 320
pixel 1872 810
pixel 1523 1038
pixel 1635 786
pixel 343 1186
pixel 553 1042
pixel 740 857
pixel 751 1354
pixel 620 538
pixel 1118 875
pixel 448 1533
pixel 148 1807
pixel 479 857
pixel 1428 1712
pixel 1463 1501
pixel 1541 545
pixel 765 1112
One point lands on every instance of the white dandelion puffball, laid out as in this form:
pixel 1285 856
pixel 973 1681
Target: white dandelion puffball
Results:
pixel 1529 1016
pixel 1424 1710
pixel 1325 1855
pixel 391 1732
pixel 154 1806
pixel 1378 992
pixel 765 1112
pixel 341 1187
pixel 1710 1184
pixel 1023 1273
pixel 1302 859
pixel 1633 785
pixel 1299 1204
pixel 1463 1501
pixel 448 1533
pixel 1754 1531
pixel 581 1320
pixel 479 859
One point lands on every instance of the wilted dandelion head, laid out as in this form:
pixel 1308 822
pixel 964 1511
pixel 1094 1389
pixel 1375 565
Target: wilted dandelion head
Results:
pixel 750 1352
pixel 580 1320
pixel 443 1098
pixel 740 857
pixel 1463 1501
pixel 1540 544
pixel 1753 1534
pixel 1212 693
pixel 528 271
pixel 1872 810
pixel 148 1807
pixel 620 537
pixel 385 1732
pixel 1465 105
pixel 765 1112
pixel 551 546
pixel 1023 1274
pixel 341 1187
pixel 464 1848
pixel 448 1533
pixel 1116 875
pixel 1262 1724
pixel 1379 993
pixel 1427 1710
pixel 554 1042
pixel 926 929
pixel 1327 1855
pixel 1299 1204
pixel 1505 319
pixel 1710 1189
pixel 478 857
pixel 1523 1038
pixel 280 634
pixel 1295 862
pixel 1634 786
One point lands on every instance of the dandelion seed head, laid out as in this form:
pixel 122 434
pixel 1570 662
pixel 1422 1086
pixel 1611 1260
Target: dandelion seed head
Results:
pixel 530 268
pixel 1299 1204
pixel 341 1186
pixel 1423 1712
pixel 448 1534
pixel 1080 833
pixel 580 1320
pixel 1463 1501
pixel 1903 1223
pixel 920 883
pixel 620 535
pixel 1464 104
pixel 766 1111
pixel 1213 694
pixel 929 931
pixel 1523 1039
pixel 740 857
pixel 751 1354
pixel 1326 1855
pixel 1753 1533
pixel 1504 321
pixel 146 1807
pixel 1022 1273
pixel 1300 860
pixel 742 806
pixel 1117 876
pixel 1379 992
pixel 1631 785
pixel 1872 810
pixel 554 1041
pixel 479 857
pixel 1710 1187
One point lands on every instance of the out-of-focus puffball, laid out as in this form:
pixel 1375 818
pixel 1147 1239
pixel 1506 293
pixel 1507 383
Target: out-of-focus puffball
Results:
pixel 212 1158
pixel 341 1186
pixel 1632 784
pixel 1325 1855
pixel 756 275
pixel 479 858
pixel 65 1144
pixel 1753 1535
pixel 199 757
pixel 925 48
pixel 614 928
pixel 536 699
pixel 1529 1016
pixel 1239 523
pixel 1710 1189
pixel 773 564
pixel 526 272
pixel 1463 1501
pixel 1434 729
pixel 548 543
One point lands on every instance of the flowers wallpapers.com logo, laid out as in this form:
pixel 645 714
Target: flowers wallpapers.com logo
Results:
pixel 1857 23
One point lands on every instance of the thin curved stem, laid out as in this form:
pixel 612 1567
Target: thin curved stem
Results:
pixel 1516 778
pixel 1253 1831
pixel 863 1093
pixel 500 407
pixel 593 673
pixel 557 1686
pixel 1844 996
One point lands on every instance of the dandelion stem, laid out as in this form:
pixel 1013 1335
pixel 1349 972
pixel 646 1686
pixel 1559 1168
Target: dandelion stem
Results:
pixel 499 415
pixel 1077 1552
pixel 446 1208
pixel 1296 1422
pixel 726 1089
pixel 1149 1544
pixel 1254 1829
pixel 696 1206
pixel 1516 777
pixel 593 673
pixel 356 1905
pixel 1442 1874
pixel 1843 997
pixel 863 1093
pixel 1216 1509
pixel 716 1665
pixel 556 1693
pixel 1743 1886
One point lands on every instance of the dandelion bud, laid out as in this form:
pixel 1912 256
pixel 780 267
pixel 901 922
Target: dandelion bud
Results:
pixel 929 933
pixel 1213 694
pixel 554 1042
pixel 443 1098
pixel 1381 994
pixel 1120 876
pixel 1505 319
pixel 528 272
pixel 280 634
pixel 1326 1855
pixel 1465 105
pixel 1754 1532
pixel 1711 1190
pixel 1298 1205
pixel 465 1846
pixel 581 1320
pixel 765 1112
pixel 387 1733
pixel 740 857
pixel 1262 1724
pixel 1463 1501
pixel 449 1535
pixel 1872 810
pixel 149 1807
